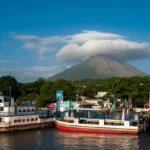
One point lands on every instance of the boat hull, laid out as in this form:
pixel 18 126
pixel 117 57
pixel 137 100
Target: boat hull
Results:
pixel 93 129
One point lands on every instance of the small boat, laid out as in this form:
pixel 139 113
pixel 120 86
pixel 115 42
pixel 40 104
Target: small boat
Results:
pixel 96 121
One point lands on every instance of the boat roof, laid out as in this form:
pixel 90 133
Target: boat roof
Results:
pixel 82 103
pixel 91 109
pixel 3 96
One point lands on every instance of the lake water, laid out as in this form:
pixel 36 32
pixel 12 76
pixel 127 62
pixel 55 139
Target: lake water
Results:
pixel 52 139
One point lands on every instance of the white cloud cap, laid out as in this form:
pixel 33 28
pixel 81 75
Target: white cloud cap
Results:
pixel 79 46
pixel 91 35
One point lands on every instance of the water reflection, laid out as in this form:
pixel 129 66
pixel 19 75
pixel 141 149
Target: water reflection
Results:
pixel 98 141
pixel 52 139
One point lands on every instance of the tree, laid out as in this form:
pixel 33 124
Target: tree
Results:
pixel 123 87
pixel 48 91
pixel 67 87
pixel 88 92
pixel 38 84
pixel 31 90
pixel 9 86
pixel 45 94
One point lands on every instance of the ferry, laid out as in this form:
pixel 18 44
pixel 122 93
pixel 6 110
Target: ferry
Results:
pixel 22 116
pixel 99 121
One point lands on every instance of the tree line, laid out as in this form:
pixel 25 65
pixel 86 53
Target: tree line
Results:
pixel 44 92
pixel 41 91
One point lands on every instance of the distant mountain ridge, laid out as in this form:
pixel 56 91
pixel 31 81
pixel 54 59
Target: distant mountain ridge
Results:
pixel 98 67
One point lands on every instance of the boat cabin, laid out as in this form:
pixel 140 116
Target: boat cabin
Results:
pixel 7 106
pixel 100 117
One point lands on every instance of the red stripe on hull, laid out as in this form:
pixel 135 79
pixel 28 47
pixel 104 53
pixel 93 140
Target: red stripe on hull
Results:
pixel 61 127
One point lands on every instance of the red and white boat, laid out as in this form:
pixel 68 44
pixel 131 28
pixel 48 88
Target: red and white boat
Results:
pixel 91 121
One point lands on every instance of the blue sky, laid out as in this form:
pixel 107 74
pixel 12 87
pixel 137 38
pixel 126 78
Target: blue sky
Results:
pixel 41 38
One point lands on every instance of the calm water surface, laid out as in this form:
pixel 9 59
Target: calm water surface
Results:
pixel 52 139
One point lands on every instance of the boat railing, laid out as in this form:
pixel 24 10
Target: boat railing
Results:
pixel 26 103
pixel 62 115
pixel 98 116
pixel 133 117
pixel 7 114
pixel 95 115
pixel 25 113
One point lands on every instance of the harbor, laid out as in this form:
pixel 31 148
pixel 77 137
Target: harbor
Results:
pixel 74 75
pixel 71 116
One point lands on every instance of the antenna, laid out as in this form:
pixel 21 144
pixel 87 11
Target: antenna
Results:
pixel 9 90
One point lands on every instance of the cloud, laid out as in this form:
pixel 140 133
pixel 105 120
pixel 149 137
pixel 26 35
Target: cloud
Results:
pixel 8 62
pixel 31 74
pixel 91 35
pixel 68 67
pixel 80 46
pixel 119 48
pixel 41 71
pixel 41 45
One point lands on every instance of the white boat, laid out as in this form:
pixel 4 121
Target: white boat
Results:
pixel 95 121
pixel 20 117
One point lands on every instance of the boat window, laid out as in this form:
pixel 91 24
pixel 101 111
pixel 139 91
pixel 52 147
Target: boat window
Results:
pixel 114 122
pixel 32 119
pixel 23 120
pixel 32 109
pixel 19 110
pixel 1 100
pixel 28 119
pixel 1 108
pixel 19 120
pixel 24 110
pixel 15 121
pixel 36 119
pixel 7 100
pixel 69 120
pixel 28 109
pixel 141 122
pixel 82 121
pixel 133 123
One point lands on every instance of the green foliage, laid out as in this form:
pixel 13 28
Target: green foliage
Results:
pixel 136 87
pixel 30 91
pixel 44 92
pixel 46 96
pixel 48 91
pixel 9 86
pixel 67 87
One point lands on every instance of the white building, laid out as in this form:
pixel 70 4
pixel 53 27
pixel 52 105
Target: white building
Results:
pixel 100 94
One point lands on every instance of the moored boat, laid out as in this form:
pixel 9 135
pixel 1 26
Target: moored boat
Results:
pixel 95 121
pixel 23 116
